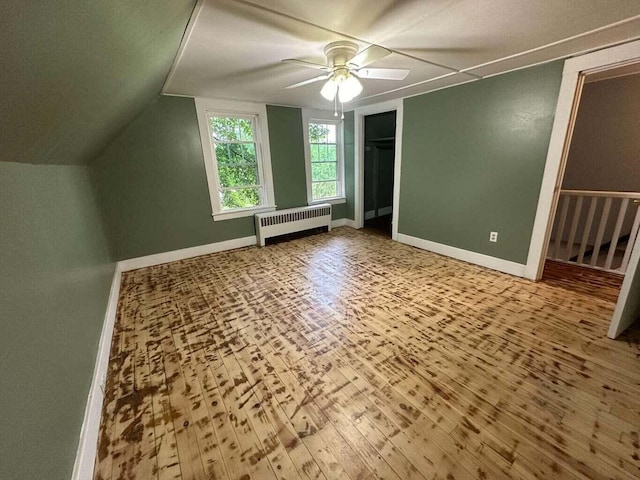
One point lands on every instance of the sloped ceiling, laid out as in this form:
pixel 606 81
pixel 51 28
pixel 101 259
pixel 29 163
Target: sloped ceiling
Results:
pixel 235 47
pixel 74 73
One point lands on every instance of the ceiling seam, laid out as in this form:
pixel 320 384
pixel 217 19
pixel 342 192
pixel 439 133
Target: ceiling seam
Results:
pixel 553 44
pixel 543 47
pixel 186 36
pixel 352 37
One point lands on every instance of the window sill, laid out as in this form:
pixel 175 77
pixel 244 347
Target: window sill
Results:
pixel 332 201
pixel 245 212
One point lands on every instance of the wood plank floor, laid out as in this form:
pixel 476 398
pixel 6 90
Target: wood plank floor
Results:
pixel 588 281
pixel 348 356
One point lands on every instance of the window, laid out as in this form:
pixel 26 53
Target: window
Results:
pixel 236 159
pixel 325 161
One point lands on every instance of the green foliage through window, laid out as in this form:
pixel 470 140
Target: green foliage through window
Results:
pixel 237 161
pixel 323 145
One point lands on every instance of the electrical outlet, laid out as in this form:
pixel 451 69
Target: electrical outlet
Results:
pixel 493 237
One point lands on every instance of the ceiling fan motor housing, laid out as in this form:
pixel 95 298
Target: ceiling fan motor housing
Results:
pixel 339 53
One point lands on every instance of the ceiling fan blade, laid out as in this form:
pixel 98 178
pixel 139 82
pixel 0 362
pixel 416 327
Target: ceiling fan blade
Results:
pixel 369 55
pixel 383 73
pixel 307 82
pixel 303 63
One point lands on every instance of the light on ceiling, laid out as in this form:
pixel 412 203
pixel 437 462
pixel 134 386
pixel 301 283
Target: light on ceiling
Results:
pixel 329 89
pixel 347 88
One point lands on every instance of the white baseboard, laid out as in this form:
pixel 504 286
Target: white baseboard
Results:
pixel 338 223
pixel 166 257
pixel 350 223
pixel 494 263
pixel 87 449
pixel 381 211
pixel 343 222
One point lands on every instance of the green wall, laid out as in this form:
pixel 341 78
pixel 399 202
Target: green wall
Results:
pixel 473 158
pixel 76 73
pixel 286 139
pixel 153 186
pixel 56 275
pixel 347 209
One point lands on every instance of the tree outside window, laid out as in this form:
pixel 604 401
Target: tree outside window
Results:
pixel 237 161
pixel 323 146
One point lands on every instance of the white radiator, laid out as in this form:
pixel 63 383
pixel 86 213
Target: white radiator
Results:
pixel 292 220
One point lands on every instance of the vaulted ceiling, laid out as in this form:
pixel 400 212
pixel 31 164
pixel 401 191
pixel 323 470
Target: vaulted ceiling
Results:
pixel 235 47
pixel 74 73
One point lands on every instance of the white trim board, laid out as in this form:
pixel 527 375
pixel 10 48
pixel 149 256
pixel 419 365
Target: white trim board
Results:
pixel 184 253
pixel 570 89
pixel 260 125
pixel 313 115
pixel 190 252
pixel 568 100
pixel 487 261
pixel 618 323
pixel 88 446
pixel 343 222
pixel 358 119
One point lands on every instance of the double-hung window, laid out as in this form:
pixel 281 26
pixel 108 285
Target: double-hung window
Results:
pixel 236 159
pixel 324 161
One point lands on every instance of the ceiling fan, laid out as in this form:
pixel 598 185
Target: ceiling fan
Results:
pixel 345 66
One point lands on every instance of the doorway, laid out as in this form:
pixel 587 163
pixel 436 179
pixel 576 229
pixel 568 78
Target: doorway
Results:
pixel 596 223
pixel 379 166
pixel 576 71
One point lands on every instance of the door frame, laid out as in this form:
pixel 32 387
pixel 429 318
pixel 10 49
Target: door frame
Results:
pixel 566 111
pixel 359 147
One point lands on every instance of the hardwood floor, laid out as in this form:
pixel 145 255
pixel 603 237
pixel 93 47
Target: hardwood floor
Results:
pixel 591 282
pixel 347 355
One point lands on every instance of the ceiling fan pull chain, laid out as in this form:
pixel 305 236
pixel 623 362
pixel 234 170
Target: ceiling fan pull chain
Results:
pixel 335 106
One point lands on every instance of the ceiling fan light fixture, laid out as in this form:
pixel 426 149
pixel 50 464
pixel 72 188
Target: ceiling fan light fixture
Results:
pixel 329 89
pixel 349 89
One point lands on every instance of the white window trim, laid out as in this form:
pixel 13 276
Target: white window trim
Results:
pixel 321 116
pixel 230 107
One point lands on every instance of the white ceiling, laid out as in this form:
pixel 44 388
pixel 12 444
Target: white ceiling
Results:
pixel 233 48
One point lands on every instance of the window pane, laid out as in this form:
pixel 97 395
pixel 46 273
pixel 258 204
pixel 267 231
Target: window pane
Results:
pixel 315 152
pixel 229 129
pixel 240 198
pixel 324 152
pixel 239 176
pixel 224 153
pixel 244 129
pixel 331 152
pixel 323 171
pixel 324 190
pixel 249 152
pixel 224 129
pixel 236 153
pixel 331 133
pixel 320 153
pixel 318 133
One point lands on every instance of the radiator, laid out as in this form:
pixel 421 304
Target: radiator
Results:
pixel 292 220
